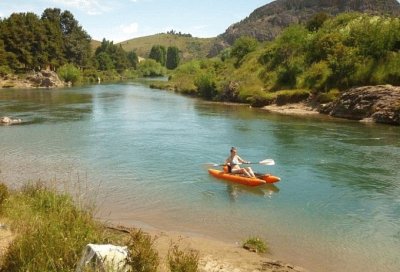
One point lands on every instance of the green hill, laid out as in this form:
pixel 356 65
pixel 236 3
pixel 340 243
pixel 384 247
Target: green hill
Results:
pixel 190 47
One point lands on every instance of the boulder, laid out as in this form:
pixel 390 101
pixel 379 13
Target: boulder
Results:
pixel 45 79
pixel 5 120
pixel 381 104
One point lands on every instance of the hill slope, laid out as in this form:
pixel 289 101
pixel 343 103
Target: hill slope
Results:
pixel 190 47
pixel 266 22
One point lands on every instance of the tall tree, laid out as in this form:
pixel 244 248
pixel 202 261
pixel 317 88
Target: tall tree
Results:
pixel 158 53
pixel 51 19
pixel 76 40
pixel 24 37
pixel 133 59
pixel 172 57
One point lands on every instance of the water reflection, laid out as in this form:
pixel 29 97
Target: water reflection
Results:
pixel 46 105
pixel 235 191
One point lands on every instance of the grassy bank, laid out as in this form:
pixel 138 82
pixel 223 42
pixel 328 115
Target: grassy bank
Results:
pixel 51 232
pixel 302 64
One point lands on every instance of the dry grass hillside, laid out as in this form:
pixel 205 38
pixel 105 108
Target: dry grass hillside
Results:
pixel 190 47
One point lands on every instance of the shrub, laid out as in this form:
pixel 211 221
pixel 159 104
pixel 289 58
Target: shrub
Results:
pixel 330 96
pixel 183 261
pixel 291 96
pixel 5 70
pixel 206 86
pixel 70 73
pixel 142 257
pixel 255 244
pixel 150 68
pixel 316 76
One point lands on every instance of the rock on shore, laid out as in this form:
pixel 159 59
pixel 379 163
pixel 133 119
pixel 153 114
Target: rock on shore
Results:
pixel 380 104
pixel 41 79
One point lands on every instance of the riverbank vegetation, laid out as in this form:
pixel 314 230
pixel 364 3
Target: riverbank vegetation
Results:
pixel 51 231
pixel 319 59
pixel 57 42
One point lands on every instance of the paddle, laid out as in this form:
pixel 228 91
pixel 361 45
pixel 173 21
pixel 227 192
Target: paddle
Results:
pixel 263 162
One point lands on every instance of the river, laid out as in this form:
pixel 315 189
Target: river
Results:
pixel 140 154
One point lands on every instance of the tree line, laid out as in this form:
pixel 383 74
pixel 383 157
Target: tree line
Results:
pixel 56 41
pixel 29 42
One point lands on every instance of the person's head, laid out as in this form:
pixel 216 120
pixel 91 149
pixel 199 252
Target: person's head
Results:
pixel 233 150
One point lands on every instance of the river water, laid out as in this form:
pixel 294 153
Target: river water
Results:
pixel 140 153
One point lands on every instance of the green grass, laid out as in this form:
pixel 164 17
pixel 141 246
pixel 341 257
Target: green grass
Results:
pixel 51 231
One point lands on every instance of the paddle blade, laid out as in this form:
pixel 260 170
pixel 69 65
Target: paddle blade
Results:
pixel 267 162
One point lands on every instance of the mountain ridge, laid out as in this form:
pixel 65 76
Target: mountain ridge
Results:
pixel 267 21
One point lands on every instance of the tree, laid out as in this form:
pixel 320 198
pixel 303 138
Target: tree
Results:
pixel 133 59
pixel 104 62
pixel 242 47
pixel 76 40
pixel 158 53
pixel 172 57
pixel 118 57
pixel 51 19
pixel 317 21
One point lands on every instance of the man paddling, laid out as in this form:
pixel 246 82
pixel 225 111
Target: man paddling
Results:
pixel 233 162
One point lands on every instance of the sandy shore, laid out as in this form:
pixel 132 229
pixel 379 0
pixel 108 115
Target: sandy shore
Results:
pixel 215 256
pixel 220 256
pixel 292 109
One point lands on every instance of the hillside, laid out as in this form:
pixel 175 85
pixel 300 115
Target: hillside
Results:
pixel 266 22
pixel 189 46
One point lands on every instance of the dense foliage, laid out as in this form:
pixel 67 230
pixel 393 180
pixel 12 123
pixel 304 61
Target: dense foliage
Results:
pixel 56 41
pixel 166 57
pixel 109 56
pixel 30 42
pixel 323 57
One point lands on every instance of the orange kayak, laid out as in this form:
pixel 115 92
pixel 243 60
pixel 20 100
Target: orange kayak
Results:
pixel 260 180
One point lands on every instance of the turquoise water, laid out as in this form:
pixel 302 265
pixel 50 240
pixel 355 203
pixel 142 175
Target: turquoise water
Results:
pixel 141 152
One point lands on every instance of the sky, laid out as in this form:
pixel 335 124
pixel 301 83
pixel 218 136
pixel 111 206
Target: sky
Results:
pixel 122 20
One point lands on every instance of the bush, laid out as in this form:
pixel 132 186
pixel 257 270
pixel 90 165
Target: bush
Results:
pixel 181 261
pixel 206 86
pixel 291 96
pixel 5 70
pixel 150 68
pixel 70 73
pixel 255 244
pixel 316 76
pixel 142 257
pixel 90 75
pixel 330 96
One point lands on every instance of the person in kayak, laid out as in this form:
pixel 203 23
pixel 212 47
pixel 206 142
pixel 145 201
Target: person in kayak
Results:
pixel 233 162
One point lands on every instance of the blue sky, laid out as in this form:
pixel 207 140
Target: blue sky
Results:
pixel 125 19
